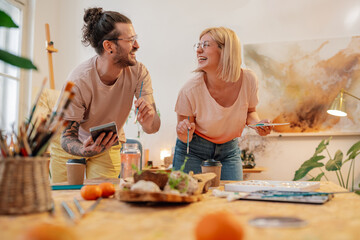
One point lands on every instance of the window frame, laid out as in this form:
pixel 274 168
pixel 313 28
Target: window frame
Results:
pixel 26 8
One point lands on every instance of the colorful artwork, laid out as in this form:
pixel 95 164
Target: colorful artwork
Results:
pixel 299 80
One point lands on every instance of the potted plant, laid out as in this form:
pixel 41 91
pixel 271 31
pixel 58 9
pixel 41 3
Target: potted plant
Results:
pixel 250 144
pixel 334 164
pixel 6 21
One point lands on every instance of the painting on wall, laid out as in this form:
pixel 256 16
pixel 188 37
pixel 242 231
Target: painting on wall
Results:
pixel 299 80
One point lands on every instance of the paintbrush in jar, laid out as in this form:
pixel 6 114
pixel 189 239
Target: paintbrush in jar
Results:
pixel 36 102
pixel 60 102
pixel 3 146
pixel 44 144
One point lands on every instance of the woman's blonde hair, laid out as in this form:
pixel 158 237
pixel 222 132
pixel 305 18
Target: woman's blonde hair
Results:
pixel 229 68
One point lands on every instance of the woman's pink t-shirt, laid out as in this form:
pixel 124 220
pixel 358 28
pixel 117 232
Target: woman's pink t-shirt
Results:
pixel 214 122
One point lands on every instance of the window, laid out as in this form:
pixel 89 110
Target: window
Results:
pixel 10 76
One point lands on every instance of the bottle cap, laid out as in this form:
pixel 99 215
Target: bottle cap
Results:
pixel 76 161
pixel 211 163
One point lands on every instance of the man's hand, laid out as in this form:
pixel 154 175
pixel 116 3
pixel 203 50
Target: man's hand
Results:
pixel 146 112
pixel 70 142
pixel 102 143
pixel 147 116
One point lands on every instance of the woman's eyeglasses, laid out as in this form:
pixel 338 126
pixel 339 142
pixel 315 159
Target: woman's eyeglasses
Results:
pixel 203 45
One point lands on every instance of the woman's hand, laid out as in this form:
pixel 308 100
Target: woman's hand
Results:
pixel 263 130
pixel 182 130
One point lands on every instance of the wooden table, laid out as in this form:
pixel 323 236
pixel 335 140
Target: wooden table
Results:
pixel 112 219
pixel 247 171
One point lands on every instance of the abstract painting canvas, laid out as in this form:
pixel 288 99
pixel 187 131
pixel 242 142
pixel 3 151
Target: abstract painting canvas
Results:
pixel 299 80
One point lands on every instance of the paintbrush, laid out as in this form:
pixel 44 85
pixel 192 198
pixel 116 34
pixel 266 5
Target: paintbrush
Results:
pixel 62 112
pixel 39 131
pixel 31 128
pixel 68 211
pixel 137 109
pixel 302 194
pixel 187 147
pixel 267 124
pixel 93 206
pixel 79 208
pixel 45 141
pixel 36 102
pixel 4 150
pixel 26 150
pixel 60 102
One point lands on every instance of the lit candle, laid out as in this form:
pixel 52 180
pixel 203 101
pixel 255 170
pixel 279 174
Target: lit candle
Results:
pixel 164 153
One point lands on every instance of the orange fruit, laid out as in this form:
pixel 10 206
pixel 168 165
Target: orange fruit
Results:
pixel 49 231
pixel 90 192
pixel 107 188
pixel 218 226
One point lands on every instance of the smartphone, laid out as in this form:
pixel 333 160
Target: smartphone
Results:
pixel 106 128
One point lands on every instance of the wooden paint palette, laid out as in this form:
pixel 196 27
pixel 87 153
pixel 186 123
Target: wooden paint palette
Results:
pixel 204 181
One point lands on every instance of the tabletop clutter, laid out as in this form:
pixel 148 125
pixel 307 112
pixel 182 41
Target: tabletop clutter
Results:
pixel 150 189
pixel 25 186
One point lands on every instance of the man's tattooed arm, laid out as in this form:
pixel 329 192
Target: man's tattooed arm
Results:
pixel 70 141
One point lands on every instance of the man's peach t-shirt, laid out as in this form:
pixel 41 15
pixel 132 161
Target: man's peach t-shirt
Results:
pixel 214 122
pixel 95 103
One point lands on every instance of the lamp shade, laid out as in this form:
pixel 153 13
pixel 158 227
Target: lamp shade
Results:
pixel 337 108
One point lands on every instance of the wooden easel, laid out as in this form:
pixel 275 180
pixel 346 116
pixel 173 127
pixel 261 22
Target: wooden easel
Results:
pixel 50 49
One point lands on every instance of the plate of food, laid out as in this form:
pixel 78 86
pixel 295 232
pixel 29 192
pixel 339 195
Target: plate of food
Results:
pixel 160 187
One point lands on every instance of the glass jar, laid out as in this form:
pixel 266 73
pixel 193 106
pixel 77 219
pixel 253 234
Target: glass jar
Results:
pixel 130 159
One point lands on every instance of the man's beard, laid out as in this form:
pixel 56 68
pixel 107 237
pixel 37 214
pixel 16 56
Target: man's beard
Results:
pixel 124 60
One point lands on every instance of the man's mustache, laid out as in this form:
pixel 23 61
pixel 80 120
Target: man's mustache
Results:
pixel 134 50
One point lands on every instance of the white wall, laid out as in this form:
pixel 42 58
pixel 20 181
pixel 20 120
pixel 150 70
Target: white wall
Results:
pixel 167 31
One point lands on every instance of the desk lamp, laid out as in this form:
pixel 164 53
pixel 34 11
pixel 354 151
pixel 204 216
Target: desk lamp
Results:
pixel 337 107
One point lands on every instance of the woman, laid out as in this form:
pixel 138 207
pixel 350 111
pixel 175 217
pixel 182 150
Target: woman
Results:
pixel 214 107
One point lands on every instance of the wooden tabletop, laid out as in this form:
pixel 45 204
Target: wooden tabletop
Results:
pixel 112 219
pixel 254 170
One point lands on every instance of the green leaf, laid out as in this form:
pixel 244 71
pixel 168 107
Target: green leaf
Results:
pixel 322 146
pixel 16 61
pixel 318 177
pixel 354 150
pixel 336 163
pixel 183 166
pixel 6 21
pixel 358 191
pixel 307 166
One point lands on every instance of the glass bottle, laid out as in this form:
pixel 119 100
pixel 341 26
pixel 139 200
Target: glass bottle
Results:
pixel 130 159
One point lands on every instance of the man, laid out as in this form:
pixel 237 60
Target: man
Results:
pixel 105 86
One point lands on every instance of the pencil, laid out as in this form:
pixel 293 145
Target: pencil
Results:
pixel 137 109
